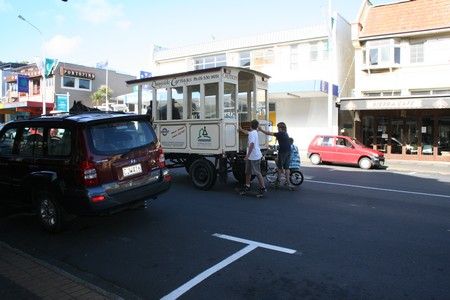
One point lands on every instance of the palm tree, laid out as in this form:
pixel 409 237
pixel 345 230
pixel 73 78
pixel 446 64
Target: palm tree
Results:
pixel 99 97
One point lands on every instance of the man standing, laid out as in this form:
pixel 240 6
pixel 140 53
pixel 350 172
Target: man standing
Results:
pixel 253 159
pixel 284 151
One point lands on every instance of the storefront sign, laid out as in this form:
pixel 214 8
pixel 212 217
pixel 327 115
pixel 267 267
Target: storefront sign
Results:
pixel 62 103
pixel 22 83
pixel 78 73
pixel 397 104
pixel 403 103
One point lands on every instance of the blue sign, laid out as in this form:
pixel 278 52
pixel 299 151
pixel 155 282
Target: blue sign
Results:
pixel 62 103
pixel 49 65
pixel 22 83
pixel 145 74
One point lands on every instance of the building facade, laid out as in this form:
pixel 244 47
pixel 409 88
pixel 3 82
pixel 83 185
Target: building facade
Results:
pixel 401 101
pixel 309 68
pixel 26 88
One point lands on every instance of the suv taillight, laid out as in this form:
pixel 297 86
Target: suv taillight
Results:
pixel 161 158
pixel 88 174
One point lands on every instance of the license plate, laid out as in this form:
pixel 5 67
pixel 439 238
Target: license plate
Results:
pixel 132 170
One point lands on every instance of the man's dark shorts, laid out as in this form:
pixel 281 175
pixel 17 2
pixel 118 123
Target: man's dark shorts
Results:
pixel 283 160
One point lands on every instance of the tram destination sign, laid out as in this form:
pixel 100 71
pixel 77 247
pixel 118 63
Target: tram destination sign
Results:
pixel 185 80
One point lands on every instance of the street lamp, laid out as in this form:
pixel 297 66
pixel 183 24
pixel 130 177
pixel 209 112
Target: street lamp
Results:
pixel 40 65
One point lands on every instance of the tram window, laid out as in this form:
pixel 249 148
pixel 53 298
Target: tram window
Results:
pixel 243 107
pixel 211 100
pixel 177 103
pixel 193 94
pixel 161 104
pixel 229 101
pixel 261 110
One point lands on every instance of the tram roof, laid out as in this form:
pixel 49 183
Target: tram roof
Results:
pixel 142 80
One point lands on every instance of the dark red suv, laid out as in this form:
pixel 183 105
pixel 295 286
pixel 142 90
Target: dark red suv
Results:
pixel 77 164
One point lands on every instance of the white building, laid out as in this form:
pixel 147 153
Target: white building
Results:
pixel 401 101
pixel 301 64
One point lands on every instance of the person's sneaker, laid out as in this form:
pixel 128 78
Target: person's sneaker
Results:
pixel 277 183
pixel 261 191
pixel 245 189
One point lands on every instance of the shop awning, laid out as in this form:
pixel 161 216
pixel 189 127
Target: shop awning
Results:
pixel 390 103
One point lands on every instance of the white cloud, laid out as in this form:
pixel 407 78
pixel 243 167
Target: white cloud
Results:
pixel 123 24
pixel 99 11
pixel 5 6
pixel 61 46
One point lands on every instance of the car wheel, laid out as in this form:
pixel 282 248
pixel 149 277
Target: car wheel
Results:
pixel 49 211
pixel 296 177
pixel 365 163
pixel 315 159
pixel 203 174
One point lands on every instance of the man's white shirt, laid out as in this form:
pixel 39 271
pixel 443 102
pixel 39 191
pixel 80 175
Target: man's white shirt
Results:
pixel 256 152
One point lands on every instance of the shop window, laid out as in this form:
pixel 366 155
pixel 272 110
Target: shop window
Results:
pixel 411 136
pixel 69 82
pixel 444 136
pixel 368 130
pixel 84 84
pixel 76 83
pixel 427 136
pixel 398 136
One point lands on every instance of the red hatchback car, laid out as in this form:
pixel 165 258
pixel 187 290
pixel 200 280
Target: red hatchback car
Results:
pixel 343 150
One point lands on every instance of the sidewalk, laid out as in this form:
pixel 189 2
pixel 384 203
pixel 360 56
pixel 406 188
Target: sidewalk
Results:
pixel 407 166
pixel 25 277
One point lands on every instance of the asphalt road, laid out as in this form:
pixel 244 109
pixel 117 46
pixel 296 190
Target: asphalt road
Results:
pixel 356 234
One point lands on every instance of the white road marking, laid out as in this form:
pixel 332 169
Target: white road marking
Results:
pixel 251 245
pixel 258 244
pixel 380 189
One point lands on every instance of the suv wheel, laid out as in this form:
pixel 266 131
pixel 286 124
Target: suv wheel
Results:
pixel 315 159
pixel 203 174
pixel 365 163
pixel 50 213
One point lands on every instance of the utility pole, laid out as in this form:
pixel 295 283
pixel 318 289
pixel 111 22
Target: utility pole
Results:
pixel 40 65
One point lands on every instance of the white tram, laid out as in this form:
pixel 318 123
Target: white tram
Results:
pixel 196 115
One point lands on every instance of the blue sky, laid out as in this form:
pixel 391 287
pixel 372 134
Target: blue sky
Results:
pixel 122 31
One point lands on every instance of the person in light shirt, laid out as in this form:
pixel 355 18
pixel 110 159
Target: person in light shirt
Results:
pixel 253 158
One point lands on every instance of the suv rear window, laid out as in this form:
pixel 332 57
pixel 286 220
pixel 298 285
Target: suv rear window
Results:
pixel 117 137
